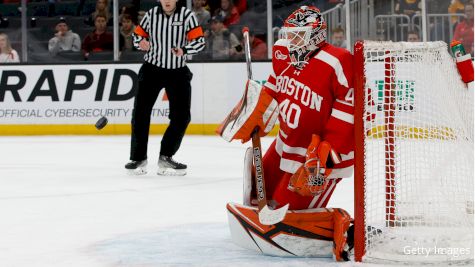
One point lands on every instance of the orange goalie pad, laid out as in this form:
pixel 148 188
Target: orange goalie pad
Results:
pixel 303 233
pixel 255 109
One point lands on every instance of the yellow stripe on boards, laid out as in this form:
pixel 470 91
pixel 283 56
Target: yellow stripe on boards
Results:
pixel 110 129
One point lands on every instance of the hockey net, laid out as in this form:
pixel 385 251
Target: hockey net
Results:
pixel 414 154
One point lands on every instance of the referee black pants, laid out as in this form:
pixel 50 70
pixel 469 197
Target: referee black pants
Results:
pixel 177 86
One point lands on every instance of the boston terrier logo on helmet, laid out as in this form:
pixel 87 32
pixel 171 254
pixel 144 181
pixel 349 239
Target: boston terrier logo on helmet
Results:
pixel 278 55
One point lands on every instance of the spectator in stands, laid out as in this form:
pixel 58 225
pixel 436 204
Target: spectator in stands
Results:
pixel 408 7
pixel 222 44
pixel 98 40
pixel 132 11
pixel 241 6
pixel 126 29
pixel 7 53
pixel 464 29
pixel 338 37
pixel 212 5
pixel 64 39
pixel 229 12
pixel 201 13
pixel 455 7
pixel 258 48
pixel 102 7
pixel 413 36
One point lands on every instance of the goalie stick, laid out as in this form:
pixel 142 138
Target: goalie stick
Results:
pixel 267 216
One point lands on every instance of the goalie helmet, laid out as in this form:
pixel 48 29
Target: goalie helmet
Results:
pixel 305 30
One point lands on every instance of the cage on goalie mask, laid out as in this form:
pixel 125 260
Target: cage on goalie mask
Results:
pixel 305 30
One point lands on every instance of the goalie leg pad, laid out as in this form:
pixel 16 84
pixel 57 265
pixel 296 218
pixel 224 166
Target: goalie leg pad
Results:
pixel 342 223
pixel 303 233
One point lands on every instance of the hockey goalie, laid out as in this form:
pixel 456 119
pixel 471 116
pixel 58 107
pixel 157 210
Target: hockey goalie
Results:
pixel 310 91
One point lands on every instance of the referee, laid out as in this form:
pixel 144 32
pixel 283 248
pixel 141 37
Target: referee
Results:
pixel 167 33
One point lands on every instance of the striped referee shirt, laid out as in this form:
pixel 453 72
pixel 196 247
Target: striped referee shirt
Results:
pixel 164 32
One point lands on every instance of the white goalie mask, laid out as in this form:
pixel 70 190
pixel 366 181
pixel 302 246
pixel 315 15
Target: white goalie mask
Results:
pixel 305 31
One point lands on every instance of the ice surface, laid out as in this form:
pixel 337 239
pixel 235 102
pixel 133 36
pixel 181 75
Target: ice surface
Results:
pixel 67 201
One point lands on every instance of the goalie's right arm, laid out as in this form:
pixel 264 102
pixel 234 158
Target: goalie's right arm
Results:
pixel 256 109
pixel 258 106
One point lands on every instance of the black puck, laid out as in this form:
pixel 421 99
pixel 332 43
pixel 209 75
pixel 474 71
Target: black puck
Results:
pixel 101 123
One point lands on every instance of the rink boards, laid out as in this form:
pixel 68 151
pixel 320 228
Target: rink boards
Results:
pixel 68 99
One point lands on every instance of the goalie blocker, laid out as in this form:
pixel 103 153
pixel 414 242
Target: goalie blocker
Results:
pixel 255 109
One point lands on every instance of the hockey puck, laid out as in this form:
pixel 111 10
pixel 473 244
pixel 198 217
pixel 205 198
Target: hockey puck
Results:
pixel 101 123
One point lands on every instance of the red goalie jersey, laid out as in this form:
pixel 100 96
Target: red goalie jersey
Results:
pixel 317 99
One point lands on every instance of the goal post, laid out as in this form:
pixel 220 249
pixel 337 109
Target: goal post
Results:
pixel 413 156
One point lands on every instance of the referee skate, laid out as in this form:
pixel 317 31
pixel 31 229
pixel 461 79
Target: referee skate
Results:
pixel 136 167
pixel 169 167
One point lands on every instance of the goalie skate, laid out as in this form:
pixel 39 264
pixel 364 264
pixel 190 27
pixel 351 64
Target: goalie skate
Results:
pixel 169 167
pixel 136 167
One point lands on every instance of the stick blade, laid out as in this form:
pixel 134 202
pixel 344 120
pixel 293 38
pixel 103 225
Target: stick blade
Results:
pixel 269 217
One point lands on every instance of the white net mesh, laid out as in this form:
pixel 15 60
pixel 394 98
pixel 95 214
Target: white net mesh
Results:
pixel 418 155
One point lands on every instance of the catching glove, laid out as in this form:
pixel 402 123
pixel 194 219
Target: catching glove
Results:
pixel 311 178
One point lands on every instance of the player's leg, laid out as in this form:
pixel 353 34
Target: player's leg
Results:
pixel 179 96
pixel 272 171
pixel 145 98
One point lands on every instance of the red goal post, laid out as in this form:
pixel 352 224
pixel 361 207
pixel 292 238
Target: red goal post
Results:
pixel 413 154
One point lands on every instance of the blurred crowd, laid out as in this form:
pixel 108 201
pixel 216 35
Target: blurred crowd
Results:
pixel 82 30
